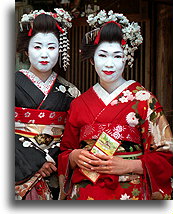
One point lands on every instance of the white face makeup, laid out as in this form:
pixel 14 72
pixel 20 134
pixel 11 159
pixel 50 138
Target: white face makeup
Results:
pixel 43 52
pixel 109 62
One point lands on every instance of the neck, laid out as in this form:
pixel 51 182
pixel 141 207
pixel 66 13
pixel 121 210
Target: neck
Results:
pixel 110 87
pixel 41 75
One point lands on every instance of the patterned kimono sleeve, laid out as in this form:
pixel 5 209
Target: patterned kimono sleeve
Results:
pixel 157 159
pixel 70 141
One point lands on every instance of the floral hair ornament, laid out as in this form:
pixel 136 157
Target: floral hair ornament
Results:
pixel 132 37
pixel 62 17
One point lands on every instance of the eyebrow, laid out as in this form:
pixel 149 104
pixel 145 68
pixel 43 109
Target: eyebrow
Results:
pixel 51 43
pixel 38 43
pixel 113 52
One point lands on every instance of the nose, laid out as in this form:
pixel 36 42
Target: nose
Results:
pixel 44 54
pixel 109 63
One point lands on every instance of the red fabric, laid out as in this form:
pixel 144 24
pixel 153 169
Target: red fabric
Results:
pixel 100 192
pixel 30 32
pixel 158 177
pixel 59 28
pixel 108 181
pixel 40 191
pixel 89 116
pixel 36 116
pixel 126 130
pixel 123 42
pixel 97 39
pixel 114 23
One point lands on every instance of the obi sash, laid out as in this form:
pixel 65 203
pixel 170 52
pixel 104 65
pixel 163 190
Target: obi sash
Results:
pixel 37 116
pixel 115 130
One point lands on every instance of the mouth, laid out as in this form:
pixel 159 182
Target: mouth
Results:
pixel 44 62
pixel 108 72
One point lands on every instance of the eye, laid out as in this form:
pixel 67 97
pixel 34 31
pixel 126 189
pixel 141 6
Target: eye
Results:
pixel 102 55
pixel 118 56
pixel 37 47
pixel 51 48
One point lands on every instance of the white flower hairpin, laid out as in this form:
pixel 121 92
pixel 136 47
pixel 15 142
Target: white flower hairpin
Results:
pixel 61 16
pixel 132 37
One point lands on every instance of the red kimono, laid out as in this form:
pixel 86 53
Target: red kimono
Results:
pixel 133 116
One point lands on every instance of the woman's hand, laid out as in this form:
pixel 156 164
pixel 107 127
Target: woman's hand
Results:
pixel 82 158
pixel 116 165
pixel 47 169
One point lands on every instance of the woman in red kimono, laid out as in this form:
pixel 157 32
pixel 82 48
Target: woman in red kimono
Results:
pixel 42 99
pixel 139 167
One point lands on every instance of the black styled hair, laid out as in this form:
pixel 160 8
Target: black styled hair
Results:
pixel 110 32
pixel 43 23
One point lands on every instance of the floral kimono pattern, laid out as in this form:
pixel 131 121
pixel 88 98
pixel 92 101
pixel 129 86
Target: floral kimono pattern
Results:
pixel 133 116
pixel 40 115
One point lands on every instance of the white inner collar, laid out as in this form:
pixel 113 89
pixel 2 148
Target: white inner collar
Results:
pixel 43 86
pixel 105 96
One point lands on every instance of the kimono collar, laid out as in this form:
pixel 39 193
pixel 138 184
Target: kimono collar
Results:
pixel 43 86
pixel 105 96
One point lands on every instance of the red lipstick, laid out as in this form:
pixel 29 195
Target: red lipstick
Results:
pixel 108 72
pixel 44 62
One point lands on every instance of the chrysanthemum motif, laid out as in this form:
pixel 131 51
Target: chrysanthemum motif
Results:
pixel 42 114
pixel 52 115
pixel 125 197
pixel 142 95
pixel 123 100
pixel 27 114
pixel 119 128
pixel 62 88
pixel 116 135
pixel 27 144
pixel 128 94
pixel 73 91
pixel 131 119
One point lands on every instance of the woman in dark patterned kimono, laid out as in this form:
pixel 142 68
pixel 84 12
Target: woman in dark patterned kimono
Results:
pixel 117 144
pixel 42 99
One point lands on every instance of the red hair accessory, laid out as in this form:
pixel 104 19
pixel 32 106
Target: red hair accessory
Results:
pixel 97 39
pixel 114 23
pixel 59 28
pixel 123 42
pixel 30 32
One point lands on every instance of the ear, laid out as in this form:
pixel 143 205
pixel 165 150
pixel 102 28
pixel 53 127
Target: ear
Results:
pixel 92 61
pixel 26 53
